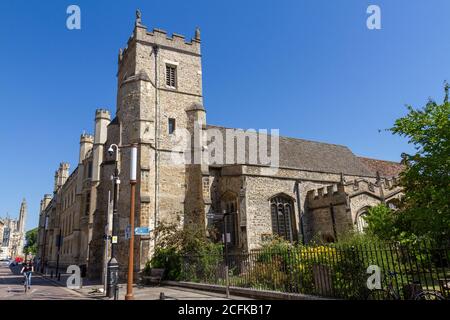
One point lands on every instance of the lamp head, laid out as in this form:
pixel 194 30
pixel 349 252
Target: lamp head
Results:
pixel 111 151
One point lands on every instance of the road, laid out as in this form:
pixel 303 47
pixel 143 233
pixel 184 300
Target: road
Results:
pixel 11 288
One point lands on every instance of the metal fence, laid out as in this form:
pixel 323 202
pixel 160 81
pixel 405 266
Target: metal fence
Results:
pixel 334 271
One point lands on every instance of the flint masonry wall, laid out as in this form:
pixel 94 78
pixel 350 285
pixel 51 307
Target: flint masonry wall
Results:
pixel 261 187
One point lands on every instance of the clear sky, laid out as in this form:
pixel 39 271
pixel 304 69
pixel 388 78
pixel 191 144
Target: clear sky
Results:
pixel 309 68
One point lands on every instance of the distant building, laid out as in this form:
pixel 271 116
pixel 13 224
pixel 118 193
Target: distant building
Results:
pixel 12 234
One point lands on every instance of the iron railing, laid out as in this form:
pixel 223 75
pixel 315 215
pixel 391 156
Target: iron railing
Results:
pixel 335 271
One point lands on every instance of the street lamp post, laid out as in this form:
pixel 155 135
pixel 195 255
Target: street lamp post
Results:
pixel 57 257
pixel 43 254
pixel 113 265
pixel 227 283
pixel 133 169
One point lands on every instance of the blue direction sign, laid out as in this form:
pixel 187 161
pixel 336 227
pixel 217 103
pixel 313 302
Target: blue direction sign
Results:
pixel 142 231
pixel 128 232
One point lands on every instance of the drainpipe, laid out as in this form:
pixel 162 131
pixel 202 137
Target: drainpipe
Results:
pixel 299 207
pixel 157 123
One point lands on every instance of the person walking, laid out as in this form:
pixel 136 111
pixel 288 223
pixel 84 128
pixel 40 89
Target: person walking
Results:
pixel 27 270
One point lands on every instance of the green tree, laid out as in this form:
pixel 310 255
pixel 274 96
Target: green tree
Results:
pixel 426 179
pixel 381 222
pixel 31 238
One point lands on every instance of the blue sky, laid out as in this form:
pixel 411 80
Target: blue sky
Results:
pixel 310 68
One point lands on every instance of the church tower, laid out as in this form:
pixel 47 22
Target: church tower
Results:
pixel 21 227
pixel 22 217
pixel 159 98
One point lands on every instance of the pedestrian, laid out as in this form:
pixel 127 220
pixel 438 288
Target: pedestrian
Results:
pixel 27 270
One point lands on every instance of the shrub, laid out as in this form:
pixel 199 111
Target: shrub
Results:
pixel 174 243
pixel 382 222
pixel 168 259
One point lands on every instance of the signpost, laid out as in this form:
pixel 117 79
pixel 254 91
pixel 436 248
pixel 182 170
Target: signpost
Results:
pixel 142 231
pixel 128 233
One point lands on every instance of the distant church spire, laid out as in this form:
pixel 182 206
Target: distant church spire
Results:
pixel 22 216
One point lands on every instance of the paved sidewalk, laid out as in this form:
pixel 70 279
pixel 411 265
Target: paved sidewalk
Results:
pixel 154 293
pixel 94 290
pixel 11 288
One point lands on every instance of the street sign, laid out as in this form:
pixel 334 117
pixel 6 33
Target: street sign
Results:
pixel 228 237
pixel 114 239
pixel 128 232
pixel 142 231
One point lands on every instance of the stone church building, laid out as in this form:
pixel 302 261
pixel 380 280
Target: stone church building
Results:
pixel 315 190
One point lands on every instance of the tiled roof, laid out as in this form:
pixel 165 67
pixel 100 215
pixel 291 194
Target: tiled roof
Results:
pixel 314 156
pixel 385 168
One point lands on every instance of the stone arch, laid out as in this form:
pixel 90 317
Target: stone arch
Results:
pixel 393 203
pixel 360 223
pixel 282 194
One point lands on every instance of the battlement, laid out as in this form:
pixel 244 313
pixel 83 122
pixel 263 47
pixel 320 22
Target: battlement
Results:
pixel 325 192
pixel 391 183
pixel 64 166
pixel 86 138
pixel 374 187
pixel 330 195
pixel 159 37
pixel 102 114
pixel 363 185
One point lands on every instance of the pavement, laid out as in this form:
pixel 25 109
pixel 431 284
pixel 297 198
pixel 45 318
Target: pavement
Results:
pixel 47 288
pixel 11 288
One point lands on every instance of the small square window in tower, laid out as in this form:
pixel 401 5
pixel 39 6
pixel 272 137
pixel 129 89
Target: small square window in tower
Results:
pixel 171 125
pixel 171 76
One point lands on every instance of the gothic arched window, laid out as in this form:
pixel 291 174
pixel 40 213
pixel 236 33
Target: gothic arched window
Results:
pixel 361 223
pixel 230 206
pixel 283 221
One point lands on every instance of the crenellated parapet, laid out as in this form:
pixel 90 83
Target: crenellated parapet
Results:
pixel 391 183
pixel 381 189
pixel 362 185
pixel 324 197
pixel 160 38
pixel 86 138
pixel 102 114
pixel 86 144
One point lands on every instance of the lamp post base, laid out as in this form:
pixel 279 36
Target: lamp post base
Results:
pixel 129 297
pixel 113 275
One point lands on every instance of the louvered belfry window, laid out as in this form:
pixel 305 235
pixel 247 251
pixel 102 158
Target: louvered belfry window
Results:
pixel 171 76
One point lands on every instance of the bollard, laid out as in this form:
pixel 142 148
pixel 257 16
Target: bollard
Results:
pixel 227 283
pixel 116 292
pixel 162 296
